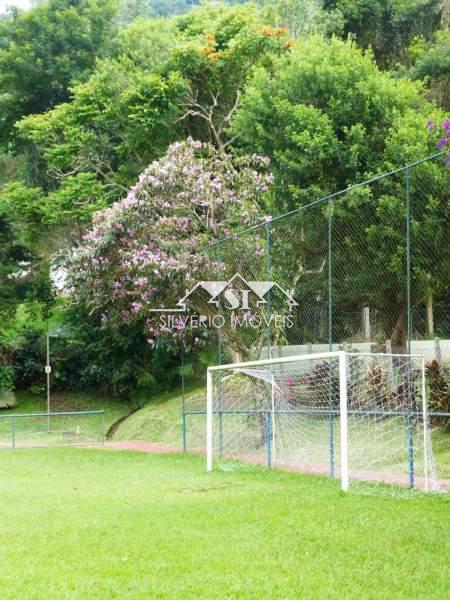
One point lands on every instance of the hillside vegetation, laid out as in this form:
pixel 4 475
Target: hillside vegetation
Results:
pixel 115 114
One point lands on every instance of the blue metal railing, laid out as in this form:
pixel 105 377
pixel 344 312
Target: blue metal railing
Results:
pixel 44 429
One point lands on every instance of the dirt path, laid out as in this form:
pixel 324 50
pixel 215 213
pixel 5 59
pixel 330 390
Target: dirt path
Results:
pixel 374 477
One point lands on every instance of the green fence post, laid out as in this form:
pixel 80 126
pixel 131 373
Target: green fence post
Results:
pixel 219 357
pixel 268 440
pixel 408 258
pixel 219 333
pixel 330 337
pixel 183 420
pixel 330 277
pixel 268 276
pixel 409 420
pixel 103 426
pixel 183 399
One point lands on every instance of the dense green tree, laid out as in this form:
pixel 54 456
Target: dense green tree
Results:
pixel 323 114
pixel 166 80
pixel 129 10
pixel 14 261
pixel 95 145
pixel 218 51
pixel 303 17
pixel 44 49
pixel 388 26
pixel 102 100
pixel 328 117
pixel 146 44
pixel 432 63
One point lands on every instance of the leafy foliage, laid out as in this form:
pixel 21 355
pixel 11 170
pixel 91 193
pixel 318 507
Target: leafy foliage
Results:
pixel 439 390
pixel 13 258
pixel 329 122
pixel 431 63
pixel 93 91
pixel 388 26
pixel 43 50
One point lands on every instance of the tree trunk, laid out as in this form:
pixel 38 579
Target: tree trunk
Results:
pixel 236 356
pixel 399 334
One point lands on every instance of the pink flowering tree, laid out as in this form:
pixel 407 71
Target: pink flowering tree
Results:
pixel 146 250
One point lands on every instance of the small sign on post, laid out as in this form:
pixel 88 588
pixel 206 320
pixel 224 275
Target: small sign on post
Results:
pixel 48 369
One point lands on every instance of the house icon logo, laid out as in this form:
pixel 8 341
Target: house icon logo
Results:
pixel 235 294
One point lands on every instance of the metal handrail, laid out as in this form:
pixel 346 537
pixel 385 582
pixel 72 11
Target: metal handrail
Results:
pixel 53 414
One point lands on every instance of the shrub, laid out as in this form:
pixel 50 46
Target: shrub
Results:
pixel 7 397
pixel 439 391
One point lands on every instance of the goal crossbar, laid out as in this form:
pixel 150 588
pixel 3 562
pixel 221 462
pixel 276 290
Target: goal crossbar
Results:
pixel 304 357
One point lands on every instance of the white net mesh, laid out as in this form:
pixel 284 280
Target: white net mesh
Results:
pixel 287 414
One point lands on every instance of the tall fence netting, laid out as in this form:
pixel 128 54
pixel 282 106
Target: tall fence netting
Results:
pixel 363 270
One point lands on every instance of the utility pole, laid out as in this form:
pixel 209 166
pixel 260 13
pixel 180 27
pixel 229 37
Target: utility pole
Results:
pixel 48 370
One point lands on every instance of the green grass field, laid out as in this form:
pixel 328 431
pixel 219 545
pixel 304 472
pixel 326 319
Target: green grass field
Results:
pixel 98 524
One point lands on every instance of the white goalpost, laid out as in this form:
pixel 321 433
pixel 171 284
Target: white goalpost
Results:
pixel 354 416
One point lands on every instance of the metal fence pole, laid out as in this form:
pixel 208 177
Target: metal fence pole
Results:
pixel 103 426
pixel 409 429
pixel 268 277
pixel 330 276
pixel 330 336
pixel 183 399
pixel 408 258
pixel 209 420
pixel 13 431
pixel 409 420
pixel 183 419
pixel 47 371
pixel 268 440
pixel 219 334
pixel 343 403
pixel 219 357
pixel 425 425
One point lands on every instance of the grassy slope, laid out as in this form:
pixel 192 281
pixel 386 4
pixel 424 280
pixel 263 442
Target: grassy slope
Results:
pixel 160 420
pixel 95 524
pixel 70 401
pixel 441 450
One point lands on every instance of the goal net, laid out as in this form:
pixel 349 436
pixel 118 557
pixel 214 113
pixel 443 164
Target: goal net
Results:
pixel 357 417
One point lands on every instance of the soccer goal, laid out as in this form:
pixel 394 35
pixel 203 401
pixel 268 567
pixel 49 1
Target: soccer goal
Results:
pixel 360 417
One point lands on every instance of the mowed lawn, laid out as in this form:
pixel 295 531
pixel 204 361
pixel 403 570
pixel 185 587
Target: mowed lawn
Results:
pixel 88 524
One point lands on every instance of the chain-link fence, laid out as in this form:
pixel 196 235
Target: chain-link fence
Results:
pixel 366 269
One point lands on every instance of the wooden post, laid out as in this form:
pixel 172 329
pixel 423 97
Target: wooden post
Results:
pixel 366 323
pixel 437 351
pixel 430 317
